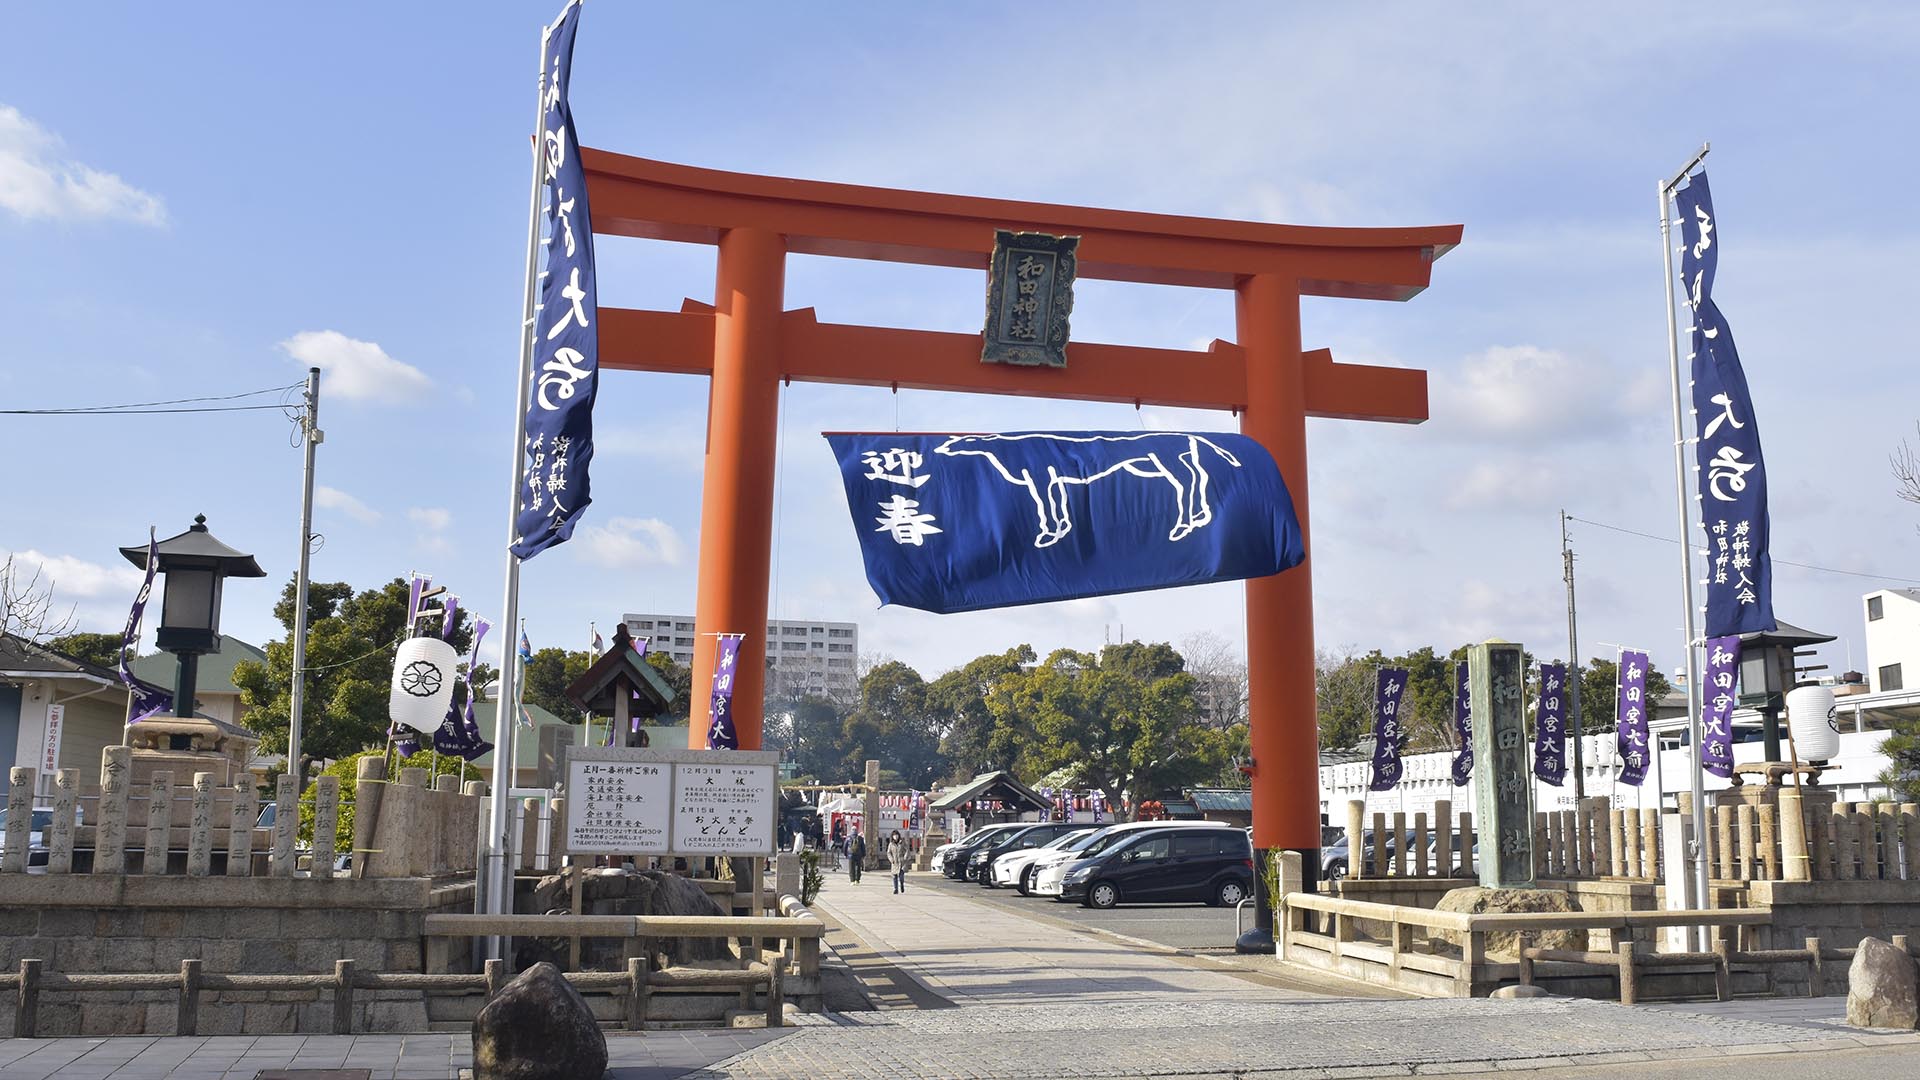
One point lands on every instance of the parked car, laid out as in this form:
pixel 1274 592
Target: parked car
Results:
pixel 1016 868
pixel 1335 860
pixel 1049 875
pixel 954 862
pixel 1456 866
pixel 1211 866
pixel 980 863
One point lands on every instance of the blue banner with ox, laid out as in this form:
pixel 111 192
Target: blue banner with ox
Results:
pixel 1550 726
pixel 1389 699
pixel 965 522
pixel 1733 476
pixel 566 337
pixel 1463 727
pixel 1630 705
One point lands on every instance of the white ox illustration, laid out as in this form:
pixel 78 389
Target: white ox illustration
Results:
pixel 1138 455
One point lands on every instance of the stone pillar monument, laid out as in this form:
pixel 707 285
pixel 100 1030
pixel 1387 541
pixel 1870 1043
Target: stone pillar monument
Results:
pixel 870 815
pixel 1502 783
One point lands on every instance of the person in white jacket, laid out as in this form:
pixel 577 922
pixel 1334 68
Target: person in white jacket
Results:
pixel 897 858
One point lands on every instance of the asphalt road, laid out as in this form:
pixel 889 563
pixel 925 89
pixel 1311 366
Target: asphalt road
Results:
pixel 1182 926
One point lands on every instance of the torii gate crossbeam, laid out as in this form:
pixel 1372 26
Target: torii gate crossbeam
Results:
pixel 748 343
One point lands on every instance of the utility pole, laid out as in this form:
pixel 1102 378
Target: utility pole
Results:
pixel 312 436
pixel 1573 668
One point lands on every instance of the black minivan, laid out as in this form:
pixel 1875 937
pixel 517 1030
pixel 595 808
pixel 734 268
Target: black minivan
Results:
pixel 1166 866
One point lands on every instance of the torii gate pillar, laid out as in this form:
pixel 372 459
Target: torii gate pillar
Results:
pixel 1281 704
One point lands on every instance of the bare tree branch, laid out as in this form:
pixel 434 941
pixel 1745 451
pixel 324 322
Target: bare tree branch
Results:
pixel 1906 471
pixel 27 608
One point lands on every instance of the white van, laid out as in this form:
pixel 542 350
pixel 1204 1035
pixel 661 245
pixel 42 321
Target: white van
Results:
pixel 1051 870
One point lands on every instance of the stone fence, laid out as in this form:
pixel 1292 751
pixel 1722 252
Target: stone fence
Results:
pixel 201 829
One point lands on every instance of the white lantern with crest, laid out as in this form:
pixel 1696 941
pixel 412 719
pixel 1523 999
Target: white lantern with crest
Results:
pixel 424 672
pixel 1811 718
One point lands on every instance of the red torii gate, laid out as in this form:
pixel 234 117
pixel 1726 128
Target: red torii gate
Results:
pixel 747 343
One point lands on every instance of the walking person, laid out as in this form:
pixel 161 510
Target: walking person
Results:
pixel 856 854
pixel 897 857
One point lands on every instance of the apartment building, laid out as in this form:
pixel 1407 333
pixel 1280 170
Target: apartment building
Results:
pixel 808 657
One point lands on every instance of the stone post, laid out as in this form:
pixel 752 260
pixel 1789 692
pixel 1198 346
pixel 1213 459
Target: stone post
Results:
pixel 1420 844
pixel 245 811
pixel 1743 823
pixel 1356 837
pixel 1379 867
pixel 786 875
pixel 1770 842
pixel 200 827
pixel 326 825
pixel 1793 837
pixel 153 856
pixel 20 783
pixel 1650 845
pixel 286 818
pixel 1502 783
pixel 870 815
pixel 1443 836
pixel 110 831
pixel 1399 844
pixel 1617 842
pixel 369 791
pixel 1292 880
pixel 66 800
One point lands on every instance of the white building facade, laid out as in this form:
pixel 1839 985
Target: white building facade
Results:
pixel 817 658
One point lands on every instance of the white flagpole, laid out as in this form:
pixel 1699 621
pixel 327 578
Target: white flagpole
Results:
pixel 1697 850
pixel 495 885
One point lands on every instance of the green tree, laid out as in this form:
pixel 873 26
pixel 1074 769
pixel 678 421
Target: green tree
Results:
pixel 679 679
pixel 547 676
pixel 102 650
pixel 1343 697
pixel 1597 684
pixel 1124 721
pixel 814 737
pixel 893 725
pixel 1902 749
pixel 351 639
pixel 974 739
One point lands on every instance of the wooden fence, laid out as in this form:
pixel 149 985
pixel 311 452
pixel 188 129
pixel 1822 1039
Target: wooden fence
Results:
pixel 1858 841
pixel 405 829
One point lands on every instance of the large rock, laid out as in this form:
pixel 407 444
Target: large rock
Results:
pixel 1475 900
pixel 1881 987
pixel 538 1028
pixel 619 891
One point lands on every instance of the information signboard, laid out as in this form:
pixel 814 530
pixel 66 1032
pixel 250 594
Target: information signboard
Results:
pixel 634 801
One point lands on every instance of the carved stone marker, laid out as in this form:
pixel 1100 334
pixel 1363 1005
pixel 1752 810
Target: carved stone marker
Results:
pixel 1029 298
pixel 1502 783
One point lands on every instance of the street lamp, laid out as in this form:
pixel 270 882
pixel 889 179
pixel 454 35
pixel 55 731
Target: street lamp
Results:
pixel 195 564
pixel 1767 673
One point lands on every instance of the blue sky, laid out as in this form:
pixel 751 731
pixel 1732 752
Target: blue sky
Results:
pixel 192 196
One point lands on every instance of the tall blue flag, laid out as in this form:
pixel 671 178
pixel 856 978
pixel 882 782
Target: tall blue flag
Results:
pixel 144 699
pixel 1389 701
pixel 1631 715
pixel 566 348
pixel 964 522
pixel 1462 726
pixel 1733 477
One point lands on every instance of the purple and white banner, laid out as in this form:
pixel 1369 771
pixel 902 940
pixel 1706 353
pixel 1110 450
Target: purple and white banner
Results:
pixel 720 733
pixel 1630 707
pixel 1390 688
pixel 566 342
pixel 460 733
pixel 1733 475
pixel 1716 718
pixel 1099 806
pixel 144 699
pixel 1462 726
pixel 1550 726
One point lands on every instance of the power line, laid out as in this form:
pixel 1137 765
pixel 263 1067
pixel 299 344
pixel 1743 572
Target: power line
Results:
pixel 138 407
pixel 1782 562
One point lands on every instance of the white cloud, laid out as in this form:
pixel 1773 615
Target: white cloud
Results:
pixel 70 577
pixel 1526 393
pixel 37 181
pixel 328 498
pixel 430 518
pixel 357 370
pixel 633 542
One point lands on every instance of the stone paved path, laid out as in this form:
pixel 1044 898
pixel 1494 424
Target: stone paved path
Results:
pixel 1040 999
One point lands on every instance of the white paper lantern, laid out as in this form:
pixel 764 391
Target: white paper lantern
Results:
pixel 424 672
pixel 1816 730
